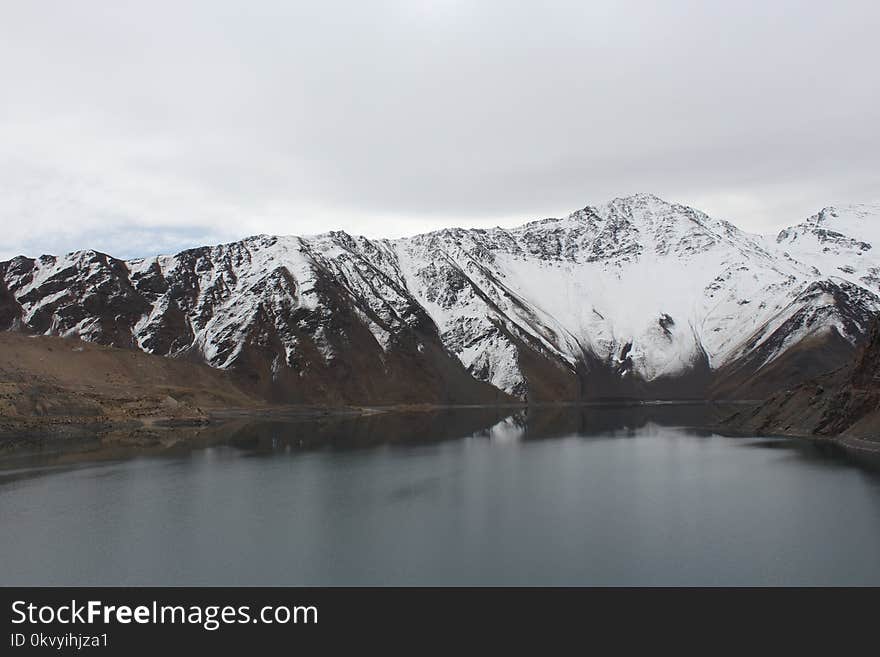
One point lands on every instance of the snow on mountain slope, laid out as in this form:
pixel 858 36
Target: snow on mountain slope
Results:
pixel 843 242
pixel 646 287
pixel 611 299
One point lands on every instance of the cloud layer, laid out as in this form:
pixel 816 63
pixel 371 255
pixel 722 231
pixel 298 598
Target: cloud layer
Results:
pixel 141 127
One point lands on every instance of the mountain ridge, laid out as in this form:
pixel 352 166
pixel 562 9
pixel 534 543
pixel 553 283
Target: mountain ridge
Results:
pixel 635 297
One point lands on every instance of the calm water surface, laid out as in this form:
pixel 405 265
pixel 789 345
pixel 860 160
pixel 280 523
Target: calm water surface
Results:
pixel 597 496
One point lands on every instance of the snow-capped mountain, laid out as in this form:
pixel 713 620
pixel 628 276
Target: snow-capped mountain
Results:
pixel 634 297
pixel 839 242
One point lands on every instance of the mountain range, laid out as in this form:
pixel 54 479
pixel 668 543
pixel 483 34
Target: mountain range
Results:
pixel 634 298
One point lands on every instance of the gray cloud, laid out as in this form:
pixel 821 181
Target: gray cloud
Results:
pixel 153 126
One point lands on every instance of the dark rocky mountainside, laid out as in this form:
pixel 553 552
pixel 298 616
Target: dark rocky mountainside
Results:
pixel 633 298
pixel 843 404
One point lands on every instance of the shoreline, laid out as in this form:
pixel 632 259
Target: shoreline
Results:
pixel 70 436
pixel 847 443
pixel 46 425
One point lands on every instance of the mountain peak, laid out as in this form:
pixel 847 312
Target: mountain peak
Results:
pixel 640 198
pixel 652 214
pixel 852 212
pixel 645 205
pixel 857 222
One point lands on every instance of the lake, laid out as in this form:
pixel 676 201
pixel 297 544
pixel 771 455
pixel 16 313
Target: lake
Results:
pixel 612 495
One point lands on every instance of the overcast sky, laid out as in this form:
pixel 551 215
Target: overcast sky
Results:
pixel 144 127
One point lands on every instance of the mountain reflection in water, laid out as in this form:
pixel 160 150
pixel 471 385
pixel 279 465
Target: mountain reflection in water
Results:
pixel 602 495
